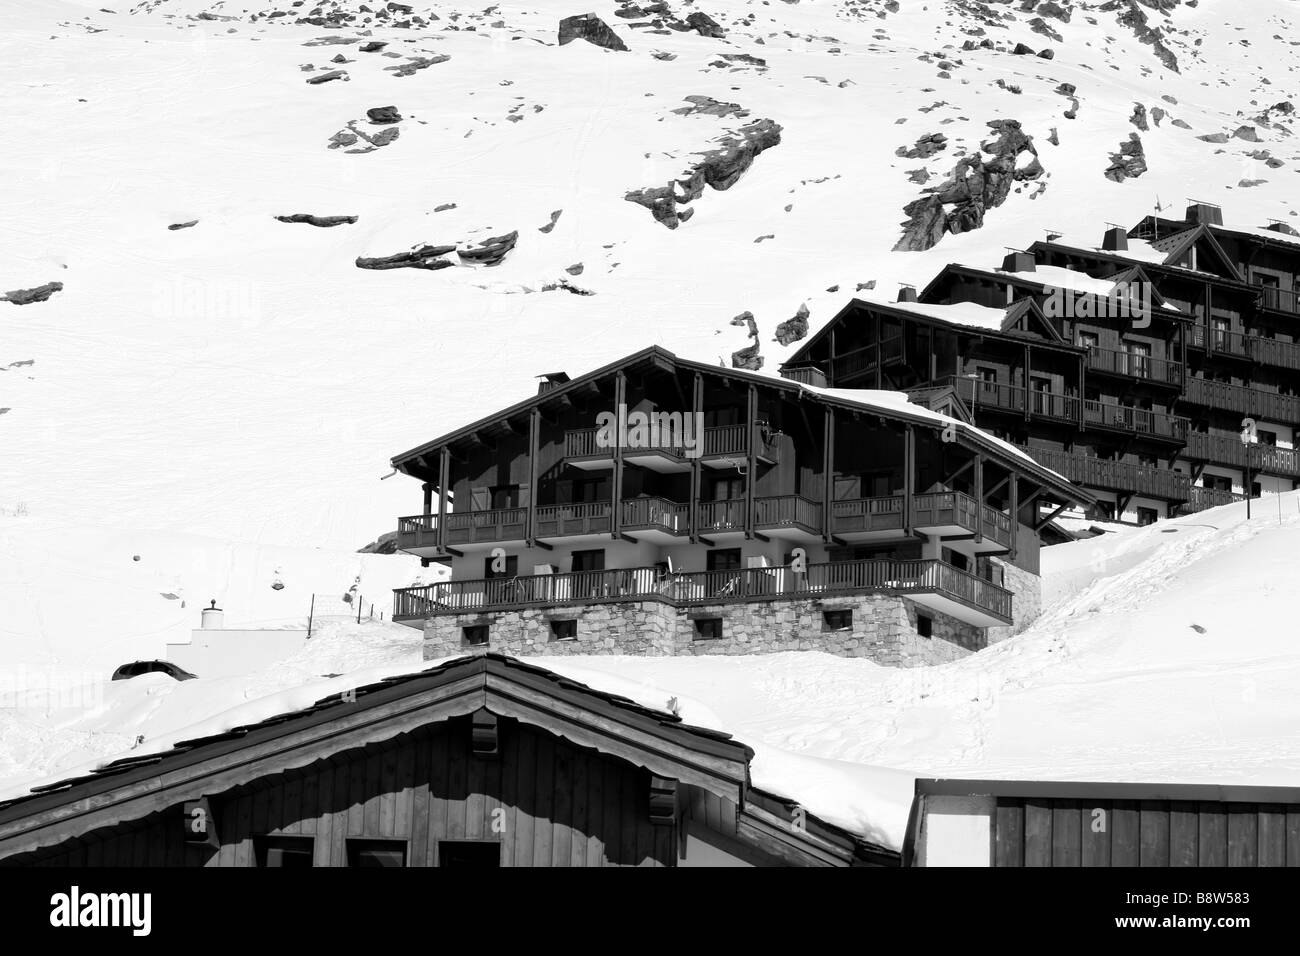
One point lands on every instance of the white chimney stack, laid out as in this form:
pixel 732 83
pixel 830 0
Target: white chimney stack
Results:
pixel 214 619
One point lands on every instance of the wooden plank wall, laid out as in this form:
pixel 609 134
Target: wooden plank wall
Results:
pixel 1061 832
pixel 559 805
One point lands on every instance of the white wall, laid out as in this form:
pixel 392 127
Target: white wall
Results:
pixel 956 831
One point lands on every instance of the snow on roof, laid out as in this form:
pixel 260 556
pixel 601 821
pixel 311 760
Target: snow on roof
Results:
pixel 1262 233
pixel 1059 277
pixel 969 314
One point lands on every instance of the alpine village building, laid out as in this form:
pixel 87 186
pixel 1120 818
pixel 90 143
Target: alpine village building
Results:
pixel 662 506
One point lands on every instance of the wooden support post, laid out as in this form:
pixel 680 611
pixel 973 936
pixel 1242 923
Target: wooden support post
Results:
pixel 909 476
pixel 979 499
pixel 751 456
pixel 534 441
pixel 828 470
pixel 444 477
pixel 693 507
pixel 1015 513
pixel 616 482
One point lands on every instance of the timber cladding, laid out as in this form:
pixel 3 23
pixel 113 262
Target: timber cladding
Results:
pixel 1034 823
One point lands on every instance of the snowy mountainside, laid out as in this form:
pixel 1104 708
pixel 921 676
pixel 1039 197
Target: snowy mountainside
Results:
pixel 1158 658
pixel 242 378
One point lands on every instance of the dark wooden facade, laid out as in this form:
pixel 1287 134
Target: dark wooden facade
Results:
pixel 1041 824
pixel 541 772
pixel 1149 412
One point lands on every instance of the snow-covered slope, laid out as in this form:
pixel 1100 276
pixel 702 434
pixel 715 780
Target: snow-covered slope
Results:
pixel 242 379
pixel 1162 655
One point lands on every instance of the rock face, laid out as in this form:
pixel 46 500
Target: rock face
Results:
pixel 747 358
pixel 705 25
pixel 323 222
pixel 591 28
pixel 422 257
pixel 28 296
pixel 489 252
pixel 381 115
pixel 794 329
pixel 719 167
pixel 326 77
pixel 183 225
pixel 1131 15
pixel 925 147
pixel 1129 163
pixel 976 185
pixel 1139 117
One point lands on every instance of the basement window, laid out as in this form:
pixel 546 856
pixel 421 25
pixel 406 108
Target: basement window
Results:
pixel 564 630
pixel 284 851
pixel 924 625
pixel 476 635
pixel 376 853
pixel 708 628
pixel 838 620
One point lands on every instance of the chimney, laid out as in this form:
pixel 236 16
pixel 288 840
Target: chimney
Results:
pixel 1204 213
pixel 550 380
pixel 1115 239
pixel 1276 226
pixel 907 293
pixel 214 619
pixel 1018 262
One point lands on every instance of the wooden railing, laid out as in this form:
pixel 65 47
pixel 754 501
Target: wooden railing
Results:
pixel 806 375
pixel 725 440
pixel 703 587
pixel 471 527
pixel 1139 420
pixel 867 514
pixel 1229 450
pixel 555 521
pixel 1205 498
pixel 1132 365
pixel 1241 398
pixel 726 515
pixel 1280 300
pixel 856 362
pixel 788 511
pixel 1274 353
pixel 1224 341
pixel 1092 472
pixel 584 443
pixel 655 513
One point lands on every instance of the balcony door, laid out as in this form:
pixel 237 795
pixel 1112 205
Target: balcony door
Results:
pixel 723 566
pixel 1138 359
pixel 588 568
pixel 1041 387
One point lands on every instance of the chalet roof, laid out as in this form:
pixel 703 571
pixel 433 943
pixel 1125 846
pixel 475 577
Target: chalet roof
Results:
pixel 1046 277
pixel 889 405
pixel 133 786
pixel 1151 259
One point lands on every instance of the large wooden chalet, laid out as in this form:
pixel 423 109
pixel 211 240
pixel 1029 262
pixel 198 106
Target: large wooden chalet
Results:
pixel 480 762
pixel 773 516
pixel 1132 368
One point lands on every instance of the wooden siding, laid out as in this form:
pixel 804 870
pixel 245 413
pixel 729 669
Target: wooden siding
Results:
pixel 546 801
pixel 1054 831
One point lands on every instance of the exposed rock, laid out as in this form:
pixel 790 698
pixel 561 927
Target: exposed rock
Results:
pixel 421 257
pixel 1139 117
pixel 323 222
pixel 373 46
pixel 1214 138
pixel 711 107
pixel 443 207
pixel 379 115
pixel 662 55
pixel 1047 54
pixel 926 146
pixel 490 251
pixel 794 329
pixel 1129 14
pixel 326 77
pixel 745 58
pixel 591 28
pixel 183 225
pixel 1023 49
pixel 1247 133
pixel 415 64
pixel 705 25
pixel 1130 162
pixel 1157 114
pixel 662 203
pixel 28 296
pixel 869 284
pixel 1181 124
pixel 343 138
pixel 575 269
pixel 747 358
pixel 555 217
pixel 386 543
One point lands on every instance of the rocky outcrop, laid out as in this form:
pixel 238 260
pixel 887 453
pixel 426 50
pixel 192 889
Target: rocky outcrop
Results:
pixel 421 257
pixel 490 251
pixel 555 217
pixel 705 25
pixel 1139 117
pixel 591 28
pixel 322 222
pixel 719 167
pixel 748 357
pixel 28 296
pixel 183 225
pixel 326 77
pixel 1131 15
pixel 1129 163
pixel 417 63
pixel 794 329
pixel 381 115
pixel 708 106
pixel 979 182
pixel 924 148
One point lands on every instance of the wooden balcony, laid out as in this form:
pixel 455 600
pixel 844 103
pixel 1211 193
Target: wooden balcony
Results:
pixel 1015 399
pixel 1144 368
pixel 1239 398
pixel 559 521
pixel 1136 421
pixel 948 513
pixel 789 514
pixel 865 360
pixel 1286 301
pixel 655 517
pixel 1231 452
pixel 1203 499
pixel 1221 342
pixel 1090 472
pixel 420 532
pixel 1273 353
pixel 931 583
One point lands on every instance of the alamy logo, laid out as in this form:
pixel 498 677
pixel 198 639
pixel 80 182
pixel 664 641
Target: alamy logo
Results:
pixel 678 430
pixel 1127 300
pixel 74 909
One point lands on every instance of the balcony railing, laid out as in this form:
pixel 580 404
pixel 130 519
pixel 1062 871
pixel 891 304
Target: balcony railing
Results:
pixel 1014 398
pixel 555 521
pixel 867 514
pixel 1239 398
pixel 1132 365
pixel 789 511
pixel 1140 421
pixel 718 516
pixel 704 587
pixel 1205 498
pixel 655 514
pixel 475 527
pixel 1280 300
pixel 862 360
pixel 1274 353
pixel 1146 480
pixel 1223 341
pixel 1229 450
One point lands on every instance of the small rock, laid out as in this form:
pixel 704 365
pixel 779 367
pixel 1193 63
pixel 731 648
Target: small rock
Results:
pixel 28 296
pixel 379 115
pixel 591 28
pixel 183 225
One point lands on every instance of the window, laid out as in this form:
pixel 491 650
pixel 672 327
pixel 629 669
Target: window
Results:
pixel 722 559
pixel 1147 516
pixel 924 625
pixel 476 635
pixel 590 490
pixel 1139 359
pixel 510 571
pixel 837 620
pixel 986 374
pixel 588 560
pixel 284 851
pixel 1265 437
pixel 708 628
pixel 727 489
pixel 1089 340
pixel 564 630
pixel 956 559
pixel 505 496
pixel 376 853
pixel 477 853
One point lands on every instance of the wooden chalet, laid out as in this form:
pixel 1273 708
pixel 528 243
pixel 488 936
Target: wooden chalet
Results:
pixel 481 762
pixel 1146 406
pixel 1001 823
pixel 781 491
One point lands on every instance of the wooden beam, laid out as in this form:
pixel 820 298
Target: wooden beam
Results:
pixel 693 508
pixel 979 499
pixel 1041 522
pixel 1015 513
pixel 909 476
pixel 444 479
pixel 828 469
pixel 616 483
pixel 534 439
pixel 751 456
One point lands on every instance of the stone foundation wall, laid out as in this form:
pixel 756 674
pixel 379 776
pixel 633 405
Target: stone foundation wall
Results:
pixel 883 629
pixel 1027 605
